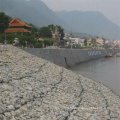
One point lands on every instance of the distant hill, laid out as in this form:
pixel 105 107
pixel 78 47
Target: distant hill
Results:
pixel 38 13
pixel 81 35
pixel 91 22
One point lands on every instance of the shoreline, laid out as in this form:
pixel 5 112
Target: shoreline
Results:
pixel 93 70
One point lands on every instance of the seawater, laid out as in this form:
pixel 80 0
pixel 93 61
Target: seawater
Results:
pixel 105 70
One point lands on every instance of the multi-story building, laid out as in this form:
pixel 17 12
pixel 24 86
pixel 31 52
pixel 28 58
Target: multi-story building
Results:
pixel 117 42
pixel 82 42
pixel 75 41
pixel 89 41
pixel 100 41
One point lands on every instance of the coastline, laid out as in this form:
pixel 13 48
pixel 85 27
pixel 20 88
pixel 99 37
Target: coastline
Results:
pixel 104 70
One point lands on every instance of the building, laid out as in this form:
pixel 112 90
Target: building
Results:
pixel 107 41
pixel 89 41
pixel 18 26
pixel 82 42
pixel 100 41
pixel 67 36
pixel 75 41
pixel 117 43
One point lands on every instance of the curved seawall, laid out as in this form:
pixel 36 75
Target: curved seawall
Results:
pixel 69 57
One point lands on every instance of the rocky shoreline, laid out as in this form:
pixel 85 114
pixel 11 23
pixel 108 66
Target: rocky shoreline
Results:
pixel 32 88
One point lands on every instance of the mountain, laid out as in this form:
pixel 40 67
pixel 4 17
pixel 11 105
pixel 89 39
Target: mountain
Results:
pixel 33 11
pixel 91 22
pixel 38 13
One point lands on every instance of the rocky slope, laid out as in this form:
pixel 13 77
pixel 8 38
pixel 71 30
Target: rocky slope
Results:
pixel 34 89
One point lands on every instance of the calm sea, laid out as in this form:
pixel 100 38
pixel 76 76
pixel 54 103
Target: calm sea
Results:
pixel 106 71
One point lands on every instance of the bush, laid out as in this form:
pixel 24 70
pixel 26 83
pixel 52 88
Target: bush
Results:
pixel 38 44
pixel 45 32
pixel 2 38
pixel 76 46
pixel 10 38
pixel 48 42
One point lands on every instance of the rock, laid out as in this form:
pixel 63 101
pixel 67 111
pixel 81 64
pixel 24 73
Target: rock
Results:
pixel 17 113
pixel 64 102
pixel 1 117
pixel 119 117
pixel 8 115
pixel 13 118
pixel 7 88
pixel 23 109
pixel 3 109
pixel 17 106
pixel 10 108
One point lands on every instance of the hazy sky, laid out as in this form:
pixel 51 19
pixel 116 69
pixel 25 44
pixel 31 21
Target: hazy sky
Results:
pixel 110 8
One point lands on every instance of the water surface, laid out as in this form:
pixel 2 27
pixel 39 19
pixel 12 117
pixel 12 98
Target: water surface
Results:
pixel 106 71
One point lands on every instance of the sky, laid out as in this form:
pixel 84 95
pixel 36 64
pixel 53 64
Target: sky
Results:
pixel 110 8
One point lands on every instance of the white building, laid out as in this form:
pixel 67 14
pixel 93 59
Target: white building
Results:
pixel 100 41
pixel 67 36
pixel 117 42
pixel 82 42
pixel 107 41
pixel 75 41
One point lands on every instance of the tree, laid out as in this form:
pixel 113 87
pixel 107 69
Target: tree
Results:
pixel 85 42
pixel 48 42
pixel 34 29
pixel 4 22
pixel 52 27
pixel 45 32
pixel 93 41
pixel 38 44
pixel 61 31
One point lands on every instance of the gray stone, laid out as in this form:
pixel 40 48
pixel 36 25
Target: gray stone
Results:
pixel 7 87
pixel 17 113
pixel 1 117
pixel 10 108
pixel 8 115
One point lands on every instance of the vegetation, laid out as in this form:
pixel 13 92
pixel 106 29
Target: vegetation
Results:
pixel 51 27
pixel 86 47
pixel 76 46
pixel 93 42
pixel 4 22
pixel 59 28
pixel 45 32
pixel 85 42
pixel 61 31
pixel 34 30
pixel 31 40
pixel 48 42
pixel 79 47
